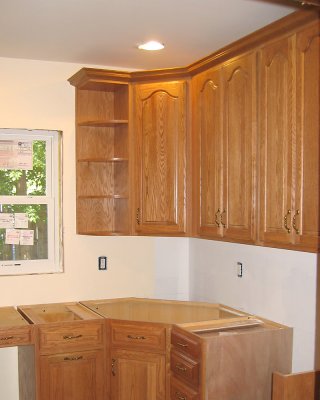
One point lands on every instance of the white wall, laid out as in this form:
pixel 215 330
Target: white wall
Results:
pixel 277 284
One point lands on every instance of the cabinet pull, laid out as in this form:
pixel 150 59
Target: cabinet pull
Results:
pixel 294 220
pixel 138 216
pixel 181 368
pixel 67 337
pixel 113 367
pixel 182 344
pixel 179 396
pixel 285 220
pixel 73 358
pixel 6 338
pixel 136 337
pixel 221 216
pixel 216 217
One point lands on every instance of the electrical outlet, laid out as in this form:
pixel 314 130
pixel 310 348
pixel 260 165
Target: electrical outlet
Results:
pixel 102 263
pixel 239 269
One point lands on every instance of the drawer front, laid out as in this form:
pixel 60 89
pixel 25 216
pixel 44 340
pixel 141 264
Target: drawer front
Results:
pixel 71 336
pixel 16 336
pixel 138 336
pixel 185 368
pixel 185 344
pixel 179 391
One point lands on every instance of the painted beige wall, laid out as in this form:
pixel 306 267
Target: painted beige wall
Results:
pixel 36 95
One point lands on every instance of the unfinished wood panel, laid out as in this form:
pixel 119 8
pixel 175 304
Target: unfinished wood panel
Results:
pixel 27 373
pixel 277 129
pixel 239 150
pixel 300 386
pixel 160 151
pixel 306 224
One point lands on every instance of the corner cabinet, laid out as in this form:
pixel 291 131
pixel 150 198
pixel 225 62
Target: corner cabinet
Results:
pixel 224 109
pixel 160 126
pixel 102 155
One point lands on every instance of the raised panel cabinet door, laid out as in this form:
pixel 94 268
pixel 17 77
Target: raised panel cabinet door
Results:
pixel 137 376
pixel 306 209
pixel 207 138
pixel 239 147
pixel 72 376
pixel 160 167
pixel 276 101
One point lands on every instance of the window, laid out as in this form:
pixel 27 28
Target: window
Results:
pixel 30 202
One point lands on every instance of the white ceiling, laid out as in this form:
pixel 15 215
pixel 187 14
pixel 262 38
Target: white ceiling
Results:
pixel 106 32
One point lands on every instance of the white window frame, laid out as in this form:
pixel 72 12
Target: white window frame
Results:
pixel 53 200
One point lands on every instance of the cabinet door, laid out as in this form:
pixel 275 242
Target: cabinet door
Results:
pixel 239 149
pixel 207 139
pixel 160 167
pixel 276 94
pixel 306 210
pixel 73 376
pixel 137 376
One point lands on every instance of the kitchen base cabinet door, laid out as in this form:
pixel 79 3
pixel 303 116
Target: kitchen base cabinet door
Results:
pixel 137 376
pixel 72 376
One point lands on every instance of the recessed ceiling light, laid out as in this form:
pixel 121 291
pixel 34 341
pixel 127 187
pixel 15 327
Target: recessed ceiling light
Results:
pixel 152 45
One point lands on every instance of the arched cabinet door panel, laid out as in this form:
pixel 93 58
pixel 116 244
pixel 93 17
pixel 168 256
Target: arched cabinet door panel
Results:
pixel 160 157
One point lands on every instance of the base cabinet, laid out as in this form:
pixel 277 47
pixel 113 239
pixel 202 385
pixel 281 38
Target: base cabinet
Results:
pixel 138 376
pixel 72 376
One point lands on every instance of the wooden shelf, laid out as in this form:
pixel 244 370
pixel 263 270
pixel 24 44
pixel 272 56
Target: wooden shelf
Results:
pixel 104 160
pixel 107 123
pixel 111 196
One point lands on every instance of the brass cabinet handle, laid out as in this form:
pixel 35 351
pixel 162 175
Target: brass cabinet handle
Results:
pixel 285 220
pixel 179 396
pixel 181 368
pixel 73 358
pixel 6 338
pixel 294 225
pixel 221 216
pixel 182 344
pixel 67 337
pixel 138 216
pixel 113 367
pixel 136 337
pixel 216 217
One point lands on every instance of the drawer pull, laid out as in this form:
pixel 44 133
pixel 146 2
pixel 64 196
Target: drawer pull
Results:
pixel 136 337
pixel 73 358
pixel 179 396
pixel 181 368
pixel 67 337
pixel 6 338
pixel 182 344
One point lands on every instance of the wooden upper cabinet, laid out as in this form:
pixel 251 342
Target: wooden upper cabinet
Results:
pixel 207 144
pixel 276 101
pixel 289 146
pixel 224 106
pixel 239 149
pixel 160 157
pixel 306 207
